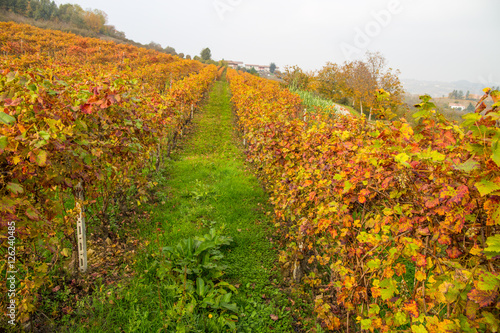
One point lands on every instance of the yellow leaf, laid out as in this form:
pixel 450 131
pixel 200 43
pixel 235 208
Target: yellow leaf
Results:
pixel 42 268
pixel 65 252
pixel 420 276
pixel 475 250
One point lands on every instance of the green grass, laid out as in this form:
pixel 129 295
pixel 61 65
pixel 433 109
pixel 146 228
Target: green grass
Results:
pixel 312 100
pixel 206 185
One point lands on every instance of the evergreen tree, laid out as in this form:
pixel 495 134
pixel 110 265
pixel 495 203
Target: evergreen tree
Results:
pixel 272 67
pixel 470 108
pixel 206 54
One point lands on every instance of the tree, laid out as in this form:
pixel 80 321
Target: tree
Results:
pixel 470 108
pixel 206 54
pixel 95 20
pixel 155 46
pixel 295 78
pixel 45 10
pixel 21 7
pixel 253 71
pixel 71 14
pixel 272 67
pixel 170 50
pixel 368 84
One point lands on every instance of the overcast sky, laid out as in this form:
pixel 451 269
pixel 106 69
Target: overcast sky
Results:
pixel 442 40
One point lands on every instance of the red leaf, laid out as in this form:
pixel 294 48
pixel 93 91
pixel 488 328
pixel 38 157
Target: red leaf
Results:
pixel 86 108
pixel 454 252
pixel 419 260
pixel 483 298
pixel 432 203
pixel 10 102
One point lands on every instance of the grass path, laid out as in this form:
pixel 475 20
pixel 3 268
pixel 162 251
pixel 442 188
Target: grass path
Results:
pixel 205 185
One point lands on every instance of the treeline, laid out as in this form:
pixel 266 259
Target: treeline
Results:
pixel 94 20
pixel 88 23
pixel 459 94
pixel 367 85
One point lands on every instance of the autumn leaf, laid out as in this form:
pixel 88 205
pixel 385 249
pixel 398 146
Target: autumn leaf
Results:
pixel 86 108
pixel 6 119
pixel 493 248
pixel 41 158
pixel 453 252
pixel 488 282
pixel 486 187
pixel 388 288
pixel 412 308
pixel 32 213
pixel 15 188
pixel 3 142
pixel 483 298
pixel 420 276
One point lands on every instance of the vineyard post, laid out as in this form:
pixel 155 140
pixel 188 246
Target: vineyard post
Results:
pixel 192 110
pixel 80 228
pixel 305 115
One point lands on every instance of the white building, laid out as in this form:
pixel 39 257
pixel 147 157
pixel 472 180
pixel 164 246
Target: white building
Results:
pixel 455 106
pixel 234 64
pixel 259 68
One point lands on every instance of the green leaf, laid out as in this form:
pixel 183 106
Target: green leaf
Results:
pixel 486 187
pixel 418 329
pixel 487 282
pixel 400 318
pixel 437 157
pixel 374 309
pixel 203 247
pixel 366 324
pixel 492 321
pixel 495 148
pixel 388 288
pixel 32 87
pixel 3 142
pixel 373 264
pixel 15 188
pixel 493 248
pixel 200 286
pixel 41 158
pixel 6 119
pixel 44 135
pixel 402 158
pixel 347 186
pixel 468 166
pixel 32 213
pixel 229 306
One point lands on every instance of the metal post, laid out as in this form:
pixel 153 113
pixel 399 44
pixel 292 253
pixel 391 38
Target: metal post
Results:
pixel 80 229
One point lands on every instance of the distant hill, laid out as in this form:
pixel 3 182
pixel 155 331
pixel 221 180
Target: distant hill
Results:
pixel 440 89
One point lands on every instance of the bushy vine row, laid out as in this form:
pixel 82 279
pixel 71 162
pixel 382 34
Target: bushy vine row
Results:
pixel 391 228
pixel 80 111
